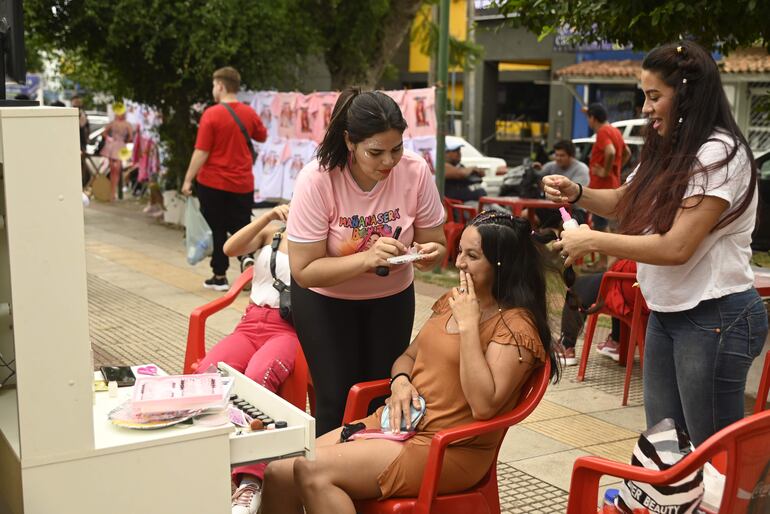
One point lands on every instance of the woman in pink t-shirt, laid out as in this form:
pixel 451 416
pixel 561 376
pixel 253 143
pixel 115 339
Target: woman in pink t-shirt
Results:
pixel 352 319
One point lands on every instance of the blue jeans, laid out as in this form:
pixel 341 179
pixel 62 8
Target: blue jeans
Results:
pixel 696 362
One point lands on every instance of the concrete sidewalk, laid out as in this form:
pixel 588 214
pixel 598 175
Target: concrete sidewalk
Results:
pixel 141 292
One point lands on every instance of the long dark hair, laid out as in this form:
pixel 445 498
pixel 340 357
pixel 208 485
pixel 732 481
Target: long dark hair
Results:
pixel 519 272
pixel 668 163
pixel 362 115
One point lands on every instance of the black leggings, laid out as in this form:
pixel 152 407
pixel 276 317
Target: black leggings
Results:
pixel 225 212
pixel 587 290
pixel 348 341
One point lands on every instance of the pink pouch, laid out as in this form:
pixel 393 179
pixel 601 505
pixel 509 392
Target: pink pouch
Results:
pixel 378 433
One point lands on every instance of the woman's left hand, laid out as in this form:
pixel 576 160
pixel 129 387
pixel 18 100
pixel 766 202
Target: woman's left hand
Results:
pixel 574 244
pixel 464 304
pixel 433 254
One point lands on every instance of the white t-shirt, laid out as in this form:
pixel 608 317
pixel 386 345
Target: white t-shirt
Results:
pixel 720 265
pixel 262 290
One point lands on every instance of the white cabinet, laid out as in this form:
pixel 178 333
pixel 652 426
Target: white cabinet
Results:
pixel 58 453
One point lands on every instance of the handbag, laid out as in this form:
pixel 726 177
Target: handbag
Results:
pixel 659 448
pixel 284 291
pixel 243 131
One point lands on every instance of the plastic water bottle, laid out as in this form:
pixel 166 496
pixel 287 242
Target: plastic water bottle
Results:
pixel 608 504
pixel 197 252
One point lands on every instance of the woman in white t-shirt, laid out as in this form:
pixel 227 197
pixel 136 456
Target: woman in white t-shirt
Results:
pixel 346 213
pixel 686 216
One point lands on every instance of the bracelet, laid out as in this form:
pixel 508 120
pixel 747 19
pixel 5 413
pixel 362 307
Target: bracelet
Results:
pixel 580 193
pixel 402 374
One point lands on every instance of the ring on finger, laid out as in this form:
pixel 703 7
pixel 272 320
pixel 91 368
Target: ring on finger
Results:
pixel 461 290
pixel 563 256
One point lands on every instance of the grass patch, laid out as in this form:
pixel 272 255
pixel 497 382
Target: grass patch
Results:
pixel 761 259
pixel 447 277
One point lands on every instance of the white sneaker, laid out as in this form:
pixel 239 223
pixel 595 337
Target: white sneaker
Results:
pixel 246 498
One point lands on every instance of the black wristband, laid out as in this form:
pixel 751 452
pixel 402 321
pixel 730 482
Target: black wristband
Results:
pixel 580 193
pixel 402 374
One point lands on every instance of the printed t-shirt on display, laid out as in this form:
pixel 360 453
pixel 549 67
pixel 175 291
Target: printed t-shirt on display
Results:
pixel 268 172
pixel 321 108
pixel 420 112
pixel 330 206
pixel 283 111
pixel 300 152
pixel 262 104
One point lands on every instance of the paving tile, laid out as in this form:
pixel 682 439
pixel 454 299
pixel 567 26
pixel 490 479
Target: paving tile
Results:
pixel 554 468
pixel 521 493
pixel 619 451
pixel 630 417
pixel 581 430
pixel 522 443
pixel 585 399
pixel 548 410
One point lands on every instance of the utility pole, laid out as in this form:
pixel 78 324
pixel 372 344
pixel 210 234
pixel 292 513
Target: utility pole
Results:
pixel 441 96
pixel 469 84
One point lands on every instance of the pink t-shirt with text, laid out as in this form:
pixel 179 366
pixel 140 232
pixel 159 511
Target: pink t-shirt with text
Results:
pixel 329 205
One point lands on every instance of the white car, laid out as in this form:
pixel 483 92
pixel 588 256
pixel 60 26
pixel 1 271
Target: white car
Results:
pixel 494 168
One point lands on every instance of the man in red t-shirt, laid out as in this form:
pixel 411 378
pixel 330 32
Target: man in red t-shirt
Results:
pixel 221 166
pixel 608 156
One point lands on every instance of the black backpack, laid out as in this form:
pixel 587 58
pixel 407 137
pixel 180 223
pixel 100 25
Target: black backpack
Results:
pixel 529 187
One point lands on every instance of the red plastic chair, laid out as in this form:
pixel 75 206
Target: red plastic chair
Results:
pixel 482 498
pixel 639 318
pixel 764 386
pixel 744 445
pixel 297 386
pixel 458 216
pixel 600 308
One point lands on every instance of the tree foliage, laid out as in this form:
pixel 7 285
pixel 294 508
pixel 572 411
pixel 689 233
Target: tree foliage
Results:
pixel 163 52
pixel 724 24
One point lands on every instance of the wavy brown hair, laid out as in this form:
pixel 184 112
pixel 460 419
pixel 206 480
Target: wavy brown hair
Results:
pixel 668 163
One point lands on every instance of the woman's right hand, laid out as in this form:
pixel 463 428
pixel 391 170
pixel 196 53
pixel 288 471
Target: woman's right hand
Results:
pixel 403 395
pixel 383 248
pixel 559 188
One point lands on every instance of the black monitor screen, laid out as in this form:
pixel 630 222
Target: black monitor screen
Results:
pixel 12 25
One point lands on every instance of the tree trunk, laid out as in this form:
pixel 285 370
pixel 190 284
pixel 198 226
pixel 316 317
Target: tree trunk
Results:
pixel 396 26
pixel 178 134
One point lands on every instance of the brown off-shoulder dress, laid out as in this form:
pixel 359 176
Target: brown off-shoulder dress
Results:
pixel 436 376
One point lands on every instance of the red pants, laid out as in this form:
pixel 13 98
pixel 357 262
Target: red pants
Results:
pixel 263 347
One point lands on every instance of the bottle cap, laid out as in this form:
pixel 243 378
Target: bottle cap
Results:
pixel 564 214
pixel 610 495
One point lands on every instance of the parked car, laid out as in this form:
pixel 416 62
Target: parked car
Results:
pixel 494 168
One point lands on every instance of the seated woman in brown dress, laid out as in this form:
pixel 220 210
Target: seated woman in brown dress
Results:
pixel 468 362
